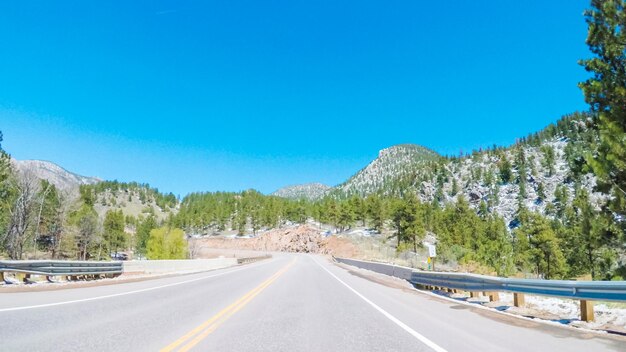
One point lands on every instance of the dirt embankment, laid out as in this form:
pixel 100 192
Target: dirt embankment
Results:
pixel 301 239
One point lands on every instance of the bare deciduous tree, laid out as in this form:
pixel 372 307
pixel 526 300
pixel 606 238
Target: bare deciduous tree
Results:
pixel 21 213
pixel 87 234
pixel 194 247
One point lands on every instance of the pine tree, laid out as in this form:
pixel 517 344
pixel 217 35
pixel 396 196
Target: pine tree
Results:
pixel 398 211
pixel 538 247
pixel 549 159
pixel 87 226
pixel 375 212
pixel 505 168
pixel 346 215
pixel 520 163
pixel 143 234
pixel 114 234
pixel 455 188
pixel 495 248
pixel 606 95
pixel 359 209
pixel 413 221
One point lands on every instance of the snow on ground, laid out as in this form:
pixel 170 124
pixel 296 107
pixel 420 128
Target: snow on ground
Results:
pixel 608 316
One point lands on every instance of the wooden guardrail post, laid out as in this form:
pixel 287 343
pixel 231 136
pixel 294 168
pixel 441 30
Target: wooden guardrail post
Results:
pixel 21 277
pixel 586 310
pixel 518 299
pixel 1 275
pixel 494 296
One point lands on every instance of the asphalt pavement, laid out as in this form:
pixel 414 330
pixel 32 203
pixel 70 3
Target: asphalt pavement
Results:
pixel 292 302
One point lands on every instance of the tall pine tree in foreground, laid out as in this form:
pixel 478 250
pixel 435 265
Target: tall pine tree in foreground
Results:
pixel 606 94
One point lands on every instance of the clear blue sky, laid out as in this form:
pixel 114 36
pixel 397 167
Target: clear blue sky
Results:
pixel 206 95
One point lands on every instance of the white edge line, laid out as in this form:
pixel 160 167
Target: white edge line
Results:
pixel 129 292
pixel 414 333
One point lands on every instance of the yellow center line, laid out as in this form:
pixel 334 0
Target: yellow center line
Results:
pixel 210 325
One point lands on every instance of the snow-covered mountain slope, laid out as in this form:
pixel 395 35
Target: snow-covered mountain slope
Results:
pixel 544 170
pixel 478 179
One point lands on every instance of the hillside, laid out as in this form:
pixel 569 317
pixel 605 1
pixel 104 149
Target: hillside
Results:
pixel 309 191
pixel 538 172
pixel 387 172
pixel 62 179
pixel 134 199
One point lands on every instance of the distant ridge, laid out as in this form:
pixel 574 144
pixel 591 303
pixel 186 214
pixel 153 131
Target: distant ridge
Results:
pixel 310 191
pixel 55 174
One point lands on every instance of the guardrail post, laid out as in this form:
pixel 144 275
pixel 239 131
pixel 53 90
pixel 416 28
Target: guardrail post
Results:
pixel 20 277
pixel 586 310
pixel 2 276
pixel 518 299
pixel 494 296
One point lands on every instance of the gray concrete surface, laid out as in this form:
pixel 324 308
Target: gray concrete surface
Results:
pixel 313 305
pixel 171 266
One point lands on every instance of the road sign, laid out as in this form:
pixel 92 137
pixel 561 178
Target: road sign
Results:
pixel 432 250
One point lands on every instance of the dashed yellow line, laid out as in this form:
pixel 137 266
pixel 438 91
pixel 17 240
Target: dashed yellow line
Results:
pixel 193 337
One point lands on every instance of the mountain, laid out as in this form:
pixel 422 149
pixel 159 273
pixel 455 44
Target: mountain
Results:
pixel 540 172
pixel 386 173
pixel 309 191
pixel 58 176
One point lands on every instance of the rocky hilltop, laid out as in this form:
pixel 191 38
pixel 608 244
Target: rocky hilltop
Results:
pixel 386 172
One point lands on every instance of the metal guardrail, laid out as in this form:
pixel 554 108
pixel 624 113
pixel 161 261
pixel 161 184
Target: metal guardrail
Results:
pixel 382 268
pixel 581 290
pixel 252 259
pixel 585 291
pixel 72 269
pixel 60 267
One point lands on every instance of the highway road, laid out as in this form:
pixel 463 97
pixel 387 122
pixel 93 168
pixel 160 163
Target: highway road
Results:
pixel 292 302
